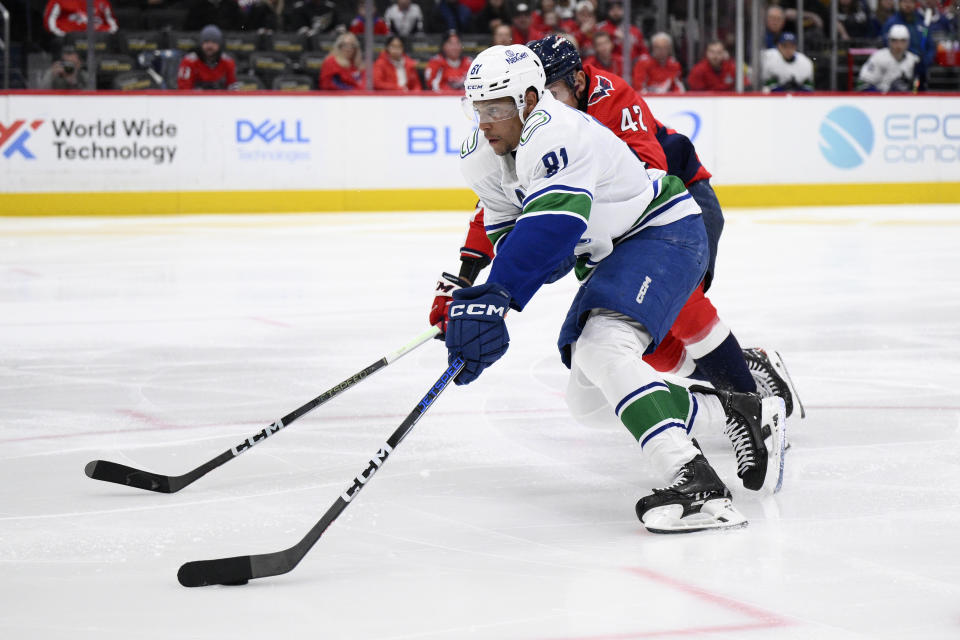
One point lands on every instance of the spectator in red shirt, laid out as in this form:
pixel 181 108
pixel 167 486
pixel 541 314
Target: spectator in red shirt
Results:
pixel 358 24
pixel 342 69
pixel 208 67
pixel 605 58
pixel 447 69
pixel 394 70
pixel 658 72
pixel 537 17
pixel 63 16
pixel 523 30
pixel 716 72
pixel 614 25
pixel 583 26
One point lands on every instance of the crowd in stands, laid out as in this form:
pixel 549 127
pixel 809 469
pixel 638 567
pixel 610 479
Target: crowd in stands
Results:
pixel 428 45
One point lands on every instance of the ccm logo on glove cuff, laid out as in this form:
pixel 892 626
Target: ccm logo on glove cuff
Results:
pixel 476 309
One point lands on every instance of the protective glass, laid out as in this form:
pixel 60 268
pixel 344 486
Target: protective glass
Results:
pixel 485 111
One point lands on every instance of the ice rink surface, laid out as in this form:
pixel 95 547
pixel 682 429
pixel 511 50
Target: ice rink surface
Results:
pixel 161 342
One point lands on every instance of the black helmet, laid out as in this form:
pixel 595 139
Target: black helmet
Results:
pixel 559 56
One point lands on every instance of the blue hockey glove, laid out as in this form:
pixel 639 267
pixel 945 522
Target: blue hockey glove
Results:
pixel 476 330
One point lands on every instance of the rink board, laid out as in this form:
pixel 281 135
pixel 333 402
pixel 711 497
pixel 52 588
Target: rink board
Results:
pixel 186 153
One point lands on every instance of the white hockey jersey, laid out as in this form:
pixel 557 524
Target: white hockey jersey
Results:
pixel 882 70
pixel 778 73
pixel 570 177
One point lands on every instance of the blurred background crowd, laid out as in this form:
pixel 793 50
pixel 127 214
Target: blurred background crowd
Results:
pixel 672 46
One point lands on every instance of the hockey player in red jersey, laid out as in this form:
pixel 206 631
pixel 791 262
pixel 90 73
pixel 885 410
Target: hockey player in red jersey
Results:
pixel 699 344
pixel 208 68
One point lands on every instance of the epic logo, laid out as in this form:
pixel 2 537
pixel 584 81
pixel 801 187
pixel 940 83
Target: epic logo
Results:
pixel 375 463
pixel 263 435
pixel 268 131
pixel 846 137
pixel 18 145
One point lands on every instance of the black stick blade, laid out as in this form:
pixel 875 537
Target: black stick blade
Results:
pixel 229 571
pixel 122 474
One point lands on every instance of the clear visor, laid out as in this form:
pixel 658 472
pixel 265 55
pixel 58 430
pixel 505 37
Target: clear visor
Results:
pixel 561 91
pixel 484 111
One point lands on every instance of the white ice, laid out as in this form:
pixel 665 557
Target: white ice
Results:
pixel 161 342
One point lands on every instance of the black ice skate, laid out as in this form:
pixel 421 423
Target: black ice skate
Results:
pixel 756 428
pixel 772 377
pixel 697 500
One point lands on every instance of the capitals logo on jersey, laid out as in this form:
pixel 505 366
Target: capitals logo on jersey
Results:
pixel 604 89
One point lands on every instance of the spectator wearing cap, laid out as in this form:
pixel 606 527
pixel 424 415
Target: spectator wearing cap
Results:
pixel 716 72
pixel 404 18
pixel 61 17
pixel 603 56
pixel 785 68
pixel 659 71
pixel 447 70
pixel 450 15
pixel 523 29
pixel 583 26
pixel 208 67
pixel 494 13
pixel 394 70
pixel 615 26
pixel 893 68
pixel 920 41
pixel 358 24
pixel 225 14
pixel 342 69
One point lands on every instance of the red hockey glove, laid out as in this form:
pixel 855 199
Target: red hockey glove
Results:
pixel 439 312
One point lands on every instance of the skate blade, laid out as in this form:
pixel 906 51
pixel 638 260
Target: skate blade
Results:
pixel 718 513
pixel 773 415
pixel 781 368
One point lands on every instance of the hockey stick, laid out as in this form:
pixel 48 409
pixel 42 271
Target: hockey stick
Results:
pixel 241 569
pixel 122 474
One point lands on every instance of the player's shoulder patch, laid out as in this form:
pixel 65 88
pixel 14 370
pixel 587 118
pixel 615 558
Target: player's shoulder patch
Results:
pixel 469 144
pixel 534 121
pixel 602 88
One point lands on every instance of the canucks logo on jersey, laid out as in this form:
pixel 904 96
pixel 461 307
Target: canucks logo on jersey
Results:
pixel 603 90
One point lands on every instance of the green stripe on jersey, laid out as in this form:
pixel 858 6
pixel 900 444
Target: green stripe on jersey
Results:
pixel 670 187
pixel 656 407
pixel 578 203
pixel 496 235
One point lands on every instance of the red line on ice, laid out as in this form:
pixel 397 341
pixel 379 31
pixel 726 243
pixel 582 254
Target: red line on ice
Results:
pixel 761 619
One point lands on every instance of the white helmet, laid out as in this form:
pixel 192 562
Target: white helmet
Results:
pixel 505 71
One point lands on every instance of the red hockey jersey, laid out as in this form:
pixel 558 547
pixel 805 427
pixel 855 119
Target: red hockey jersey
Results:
pixel 649 76
pixel 63 16
pixel 194 73
pixel 440 74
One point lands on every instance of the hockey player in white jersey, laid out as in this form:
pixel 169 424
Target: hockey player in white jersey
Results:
pixel 555 182
pixel 892 68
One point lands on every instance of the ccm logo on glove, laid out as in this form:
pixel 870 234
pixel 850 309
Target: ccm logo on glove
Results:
pixel 458 310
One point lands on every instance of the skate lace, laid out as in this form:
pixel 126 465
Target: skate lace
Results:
pixel 679 480
pixel 743 448
pixel 768 381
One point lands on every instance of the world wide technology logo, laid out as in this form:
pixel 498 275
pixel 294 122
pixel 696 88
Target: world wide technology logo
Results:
pixel 13 138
